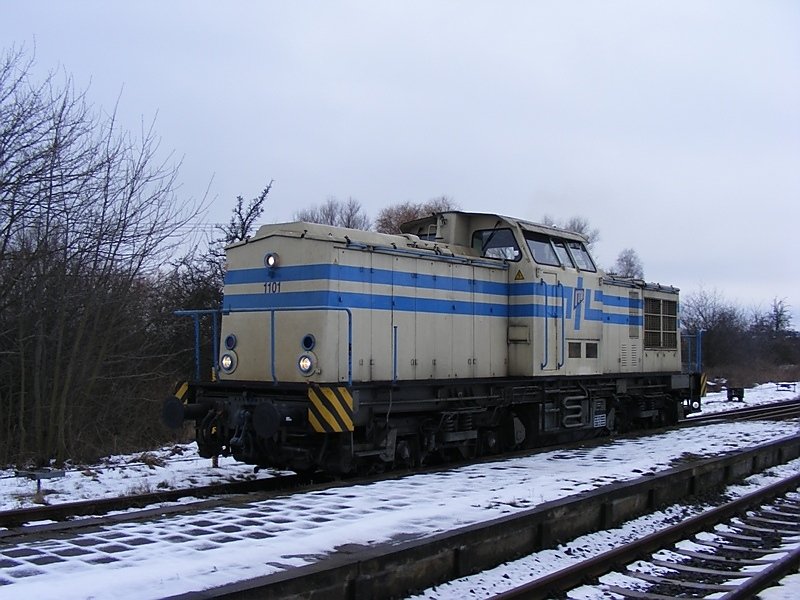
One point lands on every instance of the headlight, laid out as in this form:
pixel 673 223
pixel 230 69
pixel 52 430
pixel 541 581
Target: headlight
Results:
pixel 228 362
pixel 271 260
pixel 306 364
pixel 308 342
pixel 230 341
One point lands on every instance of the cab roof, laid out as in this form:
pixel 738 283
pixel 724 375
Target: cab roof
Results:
pixel 416 224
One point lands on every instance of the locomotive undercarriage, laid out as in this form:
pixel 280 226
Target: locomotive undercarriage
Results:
pixel 412 425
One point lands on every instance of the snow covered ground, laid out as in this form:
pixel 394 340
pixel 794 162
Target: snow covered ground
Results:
pixel 191 552
pixel 173 467
pixel 763 394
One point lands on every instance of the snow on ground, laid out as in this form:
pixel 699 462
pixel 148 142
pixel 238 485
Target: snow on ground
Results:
pixel 173 467
pixel 192 552
pixel 766 393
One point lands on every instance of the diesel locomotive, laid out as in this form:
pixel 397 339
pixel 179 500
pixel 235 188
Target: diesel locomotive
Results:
pixel 468 334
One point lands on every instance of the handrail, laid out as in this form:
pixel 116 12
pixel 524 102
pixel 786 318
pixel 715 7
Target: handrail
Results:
pixel 698 358
pixel 563 326
pixel 546 306
pixel 428 255
pixel 394 355
pixel 195 314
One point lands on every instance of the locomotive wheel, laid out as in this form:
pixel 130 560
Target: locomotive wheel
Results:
pixel 489 442
pixel 407 453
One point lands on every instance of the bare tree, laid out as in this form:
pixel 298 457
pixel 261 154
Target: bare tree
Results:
pixel 724 325
pixel 392 217
pixel 628 264
pixel 88 214
pixel 775 321
pixel 352 216
pixel 780 316
pixel 239 227
pixel 243 220
pixel 704 310
pixel 333 211
pixel 575 224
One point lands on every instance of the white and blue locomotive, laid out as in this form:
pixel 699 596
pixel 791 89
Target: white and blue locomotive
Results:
pixel 468 334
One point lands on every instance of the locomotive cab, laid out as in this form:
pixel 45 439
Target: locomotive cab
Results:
pixel 553 326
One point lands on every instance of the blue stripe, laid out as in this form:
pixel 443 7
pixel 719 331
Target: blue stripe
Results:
pixel 263 274
pixel 533 310
pixel 618 301
pixel 528 289
pixel 366 275
pixel 589 313
pixel 243 302
pixel 622 319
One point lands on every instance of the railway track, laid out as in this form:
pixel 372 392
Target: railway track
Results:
pixel 737 549
pixel 785 409
pixel 67 511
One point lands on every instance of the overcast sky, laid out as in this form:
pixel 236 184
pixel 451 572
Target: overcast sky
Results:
pixel 673 127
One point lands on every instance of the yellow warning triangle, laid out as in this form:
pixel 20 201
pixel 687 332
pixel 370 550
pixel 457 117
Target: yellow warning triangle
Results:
pixel 519 276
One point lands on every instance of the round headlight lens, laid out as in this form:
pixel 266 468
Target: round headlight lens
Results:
pixel 305 364
pixel 230 341
pixel 308 342
pixel 271 260
pixel 228 362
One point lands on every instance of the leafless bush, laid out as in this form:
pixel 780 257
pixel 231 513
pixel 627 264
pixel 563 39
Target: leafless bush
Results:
pixel 87 215
pixel 393 216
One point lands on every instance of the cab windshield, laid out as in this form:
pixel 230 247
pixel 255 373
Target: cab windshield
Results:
pixel 557 252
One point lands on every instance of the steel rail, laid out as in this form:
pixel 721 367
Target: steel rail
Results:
pixel 577 574
pixel 60 512
pixel 782 408
pixel 766 577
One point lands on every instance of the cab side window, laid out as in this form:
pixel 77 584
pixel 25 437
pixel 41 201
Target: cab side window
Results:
pixel 563 254
pixel 582 258
pixel 558 252
pixel 542 250
pixel 496 243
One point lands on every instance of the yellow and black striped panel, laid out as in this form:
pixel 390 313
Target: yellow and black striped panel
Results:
pixel 703 385
pixel 181 391
pixel 330 409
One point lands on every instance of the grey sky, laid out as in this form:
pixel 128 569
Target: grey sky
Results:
pixel 673 127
